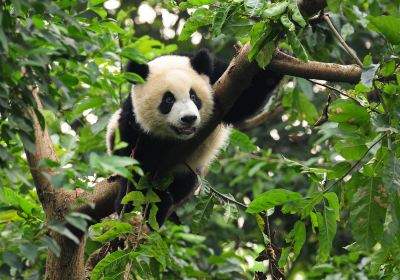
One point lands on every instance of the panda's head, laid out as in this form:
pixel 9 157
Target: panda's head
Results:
pixel 176 98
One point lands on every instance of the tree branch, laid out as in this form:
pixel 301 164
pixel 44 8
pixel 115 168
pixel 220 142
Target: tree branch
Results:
pixel 44 149
pixel 289 65
pixel 349 50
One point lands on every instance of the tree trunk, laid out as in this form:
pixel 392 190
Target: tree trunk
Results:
pixel 70 265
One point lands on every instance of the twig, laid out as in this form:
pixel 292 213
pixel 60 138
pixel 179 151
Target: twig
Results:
pixel 258 119
pixel 355 165
pixel 226 198
pixel 214 191
pixel 342 93
pixel 341 40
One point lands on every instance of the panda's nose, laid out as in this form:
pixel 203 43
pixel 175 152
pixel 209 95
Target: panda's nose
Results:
pixel 189 119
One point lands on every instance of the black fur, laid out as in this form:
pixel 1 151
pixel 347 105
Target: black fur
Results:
pixel 146 147
pixel 202 62
pixel 166 103
pixel 141 69
pixel 196 100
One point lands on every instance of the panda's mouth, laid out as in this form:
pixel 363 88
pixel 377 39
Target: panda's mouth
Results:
pixel 184 130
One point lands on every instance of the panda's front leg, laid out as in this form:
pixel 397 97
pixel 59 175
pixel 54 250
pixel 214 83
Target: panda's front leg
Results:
pixel 182 187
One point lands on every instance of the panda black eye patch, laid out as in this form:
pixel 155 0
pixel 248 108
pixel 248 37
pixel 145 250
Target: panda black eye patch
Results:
pixel 196 100
pixel 167 102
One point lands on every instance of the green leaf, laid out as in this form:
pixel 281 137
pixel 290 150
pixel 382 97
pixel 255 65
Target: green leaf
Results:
pixel 258 35
pixel 152 217
pixel 296 238
pixel 297 47
pixel 202 213
pixel 221 16
pixel 286 22
pixel 344 110
pixel 391 174
pixel 264 56
pixel 388 68
pixel 136 197
pixel 3 40
pixel 114 164
pixel 38 22
pixel 112 26
pixel 51 244
pixel 387 25
pixel 303 206
pixel 11 197
pixel 254 6
pixel 133 54
pixel 133 78
pixel 115 261
pixel 200 17
pixel 368 212
pixel 351 148
pixel 274 10
pixel 296 15
pixel 109 230
pixel 100 11
pixel 78 220
pixel 326 232
pixel 333 5
pixel 63 230
pixel 242 141
pixel 338 170
pixel 270 199
pixel 333 201
pixel 304 107
pixel 88 103
pixel 96 2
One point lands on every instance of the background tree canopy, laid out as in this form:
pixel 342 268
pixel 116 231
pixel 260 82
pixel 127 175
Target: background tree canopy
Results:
pixel 308 189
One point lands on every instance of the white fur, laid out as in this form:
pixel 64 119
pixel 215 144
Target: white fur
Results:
pixel 207 151
pixel 175 74
pixel 111 127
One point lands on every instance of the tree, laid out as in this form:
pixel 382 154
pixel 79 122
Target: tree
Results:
pixel 61 69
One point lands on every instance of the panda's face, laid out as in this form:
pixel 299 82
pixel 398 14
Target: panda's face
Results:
pixel 175 100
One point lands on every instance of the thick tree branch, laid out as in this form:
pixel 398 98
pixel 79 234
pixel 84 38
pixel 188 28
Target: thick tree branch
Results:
pixel 44 149
pixel 332 72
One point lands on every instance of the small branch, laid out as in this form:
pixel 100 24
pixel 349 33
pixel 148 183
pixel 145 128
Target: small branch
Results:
pixel 355 165
pixel 226 198
pixel 342 93
pixel 341 40
pixel 259 119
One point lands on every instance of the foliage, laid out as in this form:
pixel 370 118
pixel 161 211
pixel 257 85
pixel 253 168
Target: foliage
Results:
pixel 330 191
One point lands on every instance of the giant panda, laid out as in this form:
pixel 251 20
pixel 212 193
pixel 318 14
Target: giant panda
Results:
pixel 174 102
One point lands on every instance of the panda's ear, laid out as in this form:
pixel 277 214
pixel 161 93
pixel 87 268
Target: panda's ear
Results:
pixel 202 62
pixel 141 69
